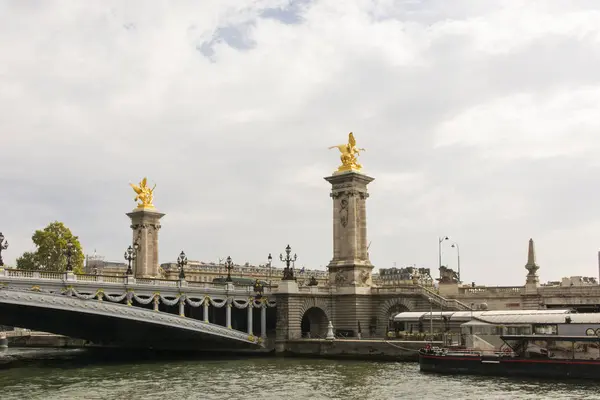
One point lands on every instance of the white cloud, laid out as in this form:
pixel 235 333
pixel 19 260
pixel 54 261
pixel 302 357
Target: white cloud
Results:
pixel 529 125
pixel 479 119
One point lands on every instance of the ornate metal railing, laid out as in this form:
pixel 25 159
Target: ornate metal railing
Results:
pixel 491 290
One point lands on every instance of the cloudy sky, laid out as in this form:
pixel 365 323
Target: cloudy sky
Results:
pixel 481 121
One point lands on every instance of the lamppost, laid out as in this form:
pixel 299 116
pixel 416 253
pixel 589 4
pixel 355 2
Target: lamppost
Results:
pixel 130 255
pixel 288 274
pixel 3 246
pixel 136 248
pixel 229 266
pixel 181 262
pixel 455 245
pixel 270 264
pixel 441 239
pixel 69 255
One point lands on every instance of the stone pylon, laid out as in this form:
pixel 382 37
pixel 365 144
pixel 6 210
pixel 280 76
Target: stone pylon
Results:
pixel 531 266
pixel 350 265
pixel 145 224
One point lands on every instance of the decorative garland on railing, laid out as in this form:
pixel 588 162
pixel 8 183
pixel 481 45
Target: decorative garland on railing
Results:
pixel 156 297
pixel 215 303
pixel 143 301
pixel 194 303
pixel 115 299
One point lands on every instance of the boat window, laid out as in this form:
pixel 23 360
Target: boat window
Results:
pixel 560 349
pixel 546 329
pixel 536 349
pixel 587 350
pixel 518 330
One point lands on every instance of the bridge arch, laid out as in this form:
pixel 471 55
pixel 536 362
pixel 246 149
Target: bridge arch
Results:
pixel 112 323
pixel 314 318
pixel 389 309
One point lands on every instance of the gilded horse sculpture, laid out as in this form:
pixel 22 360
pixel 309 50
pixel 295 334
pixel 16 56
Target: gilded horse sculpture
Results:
pixel 144 194
pixel 349 152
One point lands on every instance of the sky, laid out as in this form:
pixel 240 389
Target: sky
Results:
pixel 481 121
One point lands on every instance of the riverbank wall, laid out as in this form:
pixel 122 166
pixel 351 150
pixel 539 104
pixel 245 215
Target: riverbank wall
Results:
pixel 42 340
pixel 352 349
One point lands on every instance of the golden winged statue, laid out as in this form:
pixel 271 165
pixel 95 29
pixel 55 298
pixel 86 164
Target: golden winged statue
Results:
pixel 349 152
pixel 144 194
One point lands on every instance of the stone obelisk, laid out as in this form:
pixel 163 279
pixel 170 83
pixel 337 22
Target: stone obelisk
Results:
pixel 145 224
pixel 350 265
pixel 531 266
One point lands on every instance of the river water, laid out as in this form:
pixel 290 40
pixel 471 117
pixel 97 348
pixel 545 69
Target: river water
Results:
pixel 80 375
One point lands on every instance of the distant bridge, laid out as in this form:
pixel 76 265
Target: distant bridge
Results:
pixel 136 313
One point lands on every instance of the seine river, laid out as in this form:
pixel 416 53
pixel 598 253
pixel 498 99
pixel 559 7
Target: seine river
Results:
pixel 72 375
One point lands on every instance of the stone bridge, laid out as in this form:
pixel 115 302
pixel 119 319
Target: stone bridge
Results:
pixel 129 312
pixel 306 311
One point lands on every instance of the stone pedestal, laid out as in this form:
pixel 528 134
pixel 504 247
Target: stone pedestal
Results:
pixel 449 289
pixel 287 287
pixel 350 265
pixel 145 223
pixel 70 276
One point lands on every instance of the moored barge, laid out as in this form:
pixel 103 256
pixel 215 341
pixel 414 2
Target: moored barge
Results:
pixel 545 356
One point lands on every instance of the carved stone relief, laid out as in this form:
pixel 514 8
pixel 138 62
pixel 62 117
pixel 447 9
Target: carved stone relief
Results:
pixel 344 212
pixel 340 278
pixel 364 276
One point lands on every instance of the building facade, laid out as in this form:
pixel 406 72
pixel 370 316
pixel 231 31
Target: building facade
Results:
pixel 198 271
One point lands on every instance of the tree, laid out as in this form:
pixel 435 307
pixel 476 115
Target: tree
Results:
pixel 51 252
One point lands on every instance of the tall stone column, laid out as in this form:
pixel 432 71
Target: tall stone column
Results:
pixel 263 321
pixel 228 315
pixel 145 223
pixel 350 265
pixel 250 322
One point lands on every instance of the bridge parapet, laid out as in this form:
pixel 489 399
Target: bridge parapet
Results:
pixel 55 281
pixel 569 291
pixel 317 289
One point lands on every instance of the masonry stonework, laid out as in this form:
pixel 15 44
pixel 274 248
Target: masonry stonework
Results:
pixel 145 224
pixel 350 301
pixel 350 265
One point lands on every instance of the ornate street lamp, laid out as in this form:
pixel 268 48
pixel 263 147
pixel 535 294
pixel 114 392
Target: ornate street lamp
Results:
pixel 3 246
pixel 258 289
pixel 130 255
pixel 69 255
pixel 455 245
pixel 229 266
pixel 288 273
pixel 270 264
pixel 181 262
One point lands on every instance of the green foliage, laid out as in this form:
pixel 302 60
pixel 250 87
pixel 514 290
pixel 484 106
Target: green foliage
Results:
pixel 51 252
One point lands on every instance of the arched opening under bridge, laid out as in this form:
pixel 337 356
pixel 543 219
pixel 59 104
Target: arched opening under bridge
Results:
pixel 314 323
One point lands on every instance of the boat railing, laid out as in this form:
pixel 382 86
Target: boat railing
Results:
pixel 471 352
